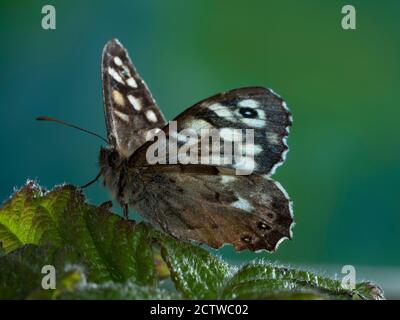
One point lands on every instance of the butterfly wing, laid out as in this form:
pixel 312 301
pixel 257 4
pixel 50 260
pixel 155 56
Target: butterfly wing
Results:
pixel 130 110
pixel 198 202
pixel 249 212
pixel 209 203
pixel 255 108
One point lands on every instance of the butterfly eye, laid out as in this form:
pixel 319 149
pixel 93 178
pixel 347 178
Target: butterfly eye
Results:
pixel 248 112
pixel 113 159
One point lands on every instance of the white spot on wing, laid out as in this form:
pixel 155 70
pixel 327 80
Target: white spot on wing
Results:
pixel 227 179
pixel 151 116
pixel 220 110
pixel 121 115
pixel 254 123
pixel 136 103
pixel 243 204
pixel 131 82
pixel 272 137
pixel 197 125
pixel 261 114
pixel 115 75
pixel 249 103
pixel 245 166
pixel 118 61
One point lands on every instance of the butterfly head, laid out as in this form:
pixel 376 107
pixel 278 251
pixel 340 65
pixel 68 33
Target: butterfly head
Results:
pixel 112 167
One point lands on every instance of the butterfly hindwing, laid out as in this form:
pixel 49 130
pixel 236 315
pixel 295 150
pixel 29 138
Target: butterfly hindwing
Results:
pixel 249 212
pixel 255 108
pixel 130 109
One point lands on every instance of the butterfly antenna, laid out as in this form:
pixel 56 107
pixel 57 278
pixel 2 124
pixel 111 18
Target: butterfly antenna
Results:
pixel 91 181
pixel 71 125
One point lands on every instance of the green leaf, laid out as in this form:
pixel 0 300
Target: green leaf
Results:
pixel 196 273
pixel 21 270
pixel 71 280
pixel 2 251
pixel 21 277
pixel 113 249
pixel 264 281
pixel 117 291
pixel 21 220
pixel 98 255
pixel 368 290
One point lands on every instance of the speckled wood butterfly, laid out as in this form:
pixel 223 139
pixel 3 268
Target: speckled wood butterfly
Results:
pixel 208 204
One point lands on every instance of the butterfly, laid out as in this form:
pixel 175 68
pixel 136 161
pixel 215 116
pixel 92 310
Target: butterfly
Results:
pixel 207 204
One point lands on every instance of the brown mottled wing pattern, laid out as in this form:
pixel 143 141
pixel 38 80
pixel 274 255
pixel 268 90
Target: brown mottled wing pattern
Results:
pixel 130 110
pixel 249 212
pixel 254 108
pixel 208 203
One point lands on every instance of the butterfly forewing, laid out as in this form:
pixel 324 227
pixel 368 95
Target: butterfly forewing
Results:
pixel 130 110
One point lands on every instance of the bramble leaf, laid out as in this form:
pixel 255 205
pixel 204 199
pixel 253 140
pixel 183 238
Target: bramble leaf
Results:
pixel 21 270
pixel 117 291
pixel 196 273
pixel 99 255
pixel 264 280
pixel 113 249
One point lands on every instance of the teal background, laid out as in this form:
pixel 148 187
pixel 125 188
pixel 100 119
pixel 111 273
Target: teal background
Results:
pixel 342 86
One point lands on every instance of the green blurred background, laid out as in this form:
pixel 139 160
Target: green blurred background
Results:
pixel 343 168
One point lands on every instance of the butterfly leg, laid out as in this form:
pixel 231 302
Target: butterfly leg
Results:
pixel 125 208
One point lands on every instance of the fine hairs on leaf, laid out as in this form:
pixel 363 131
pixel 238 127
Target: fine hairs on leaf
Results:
pixel 99 255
